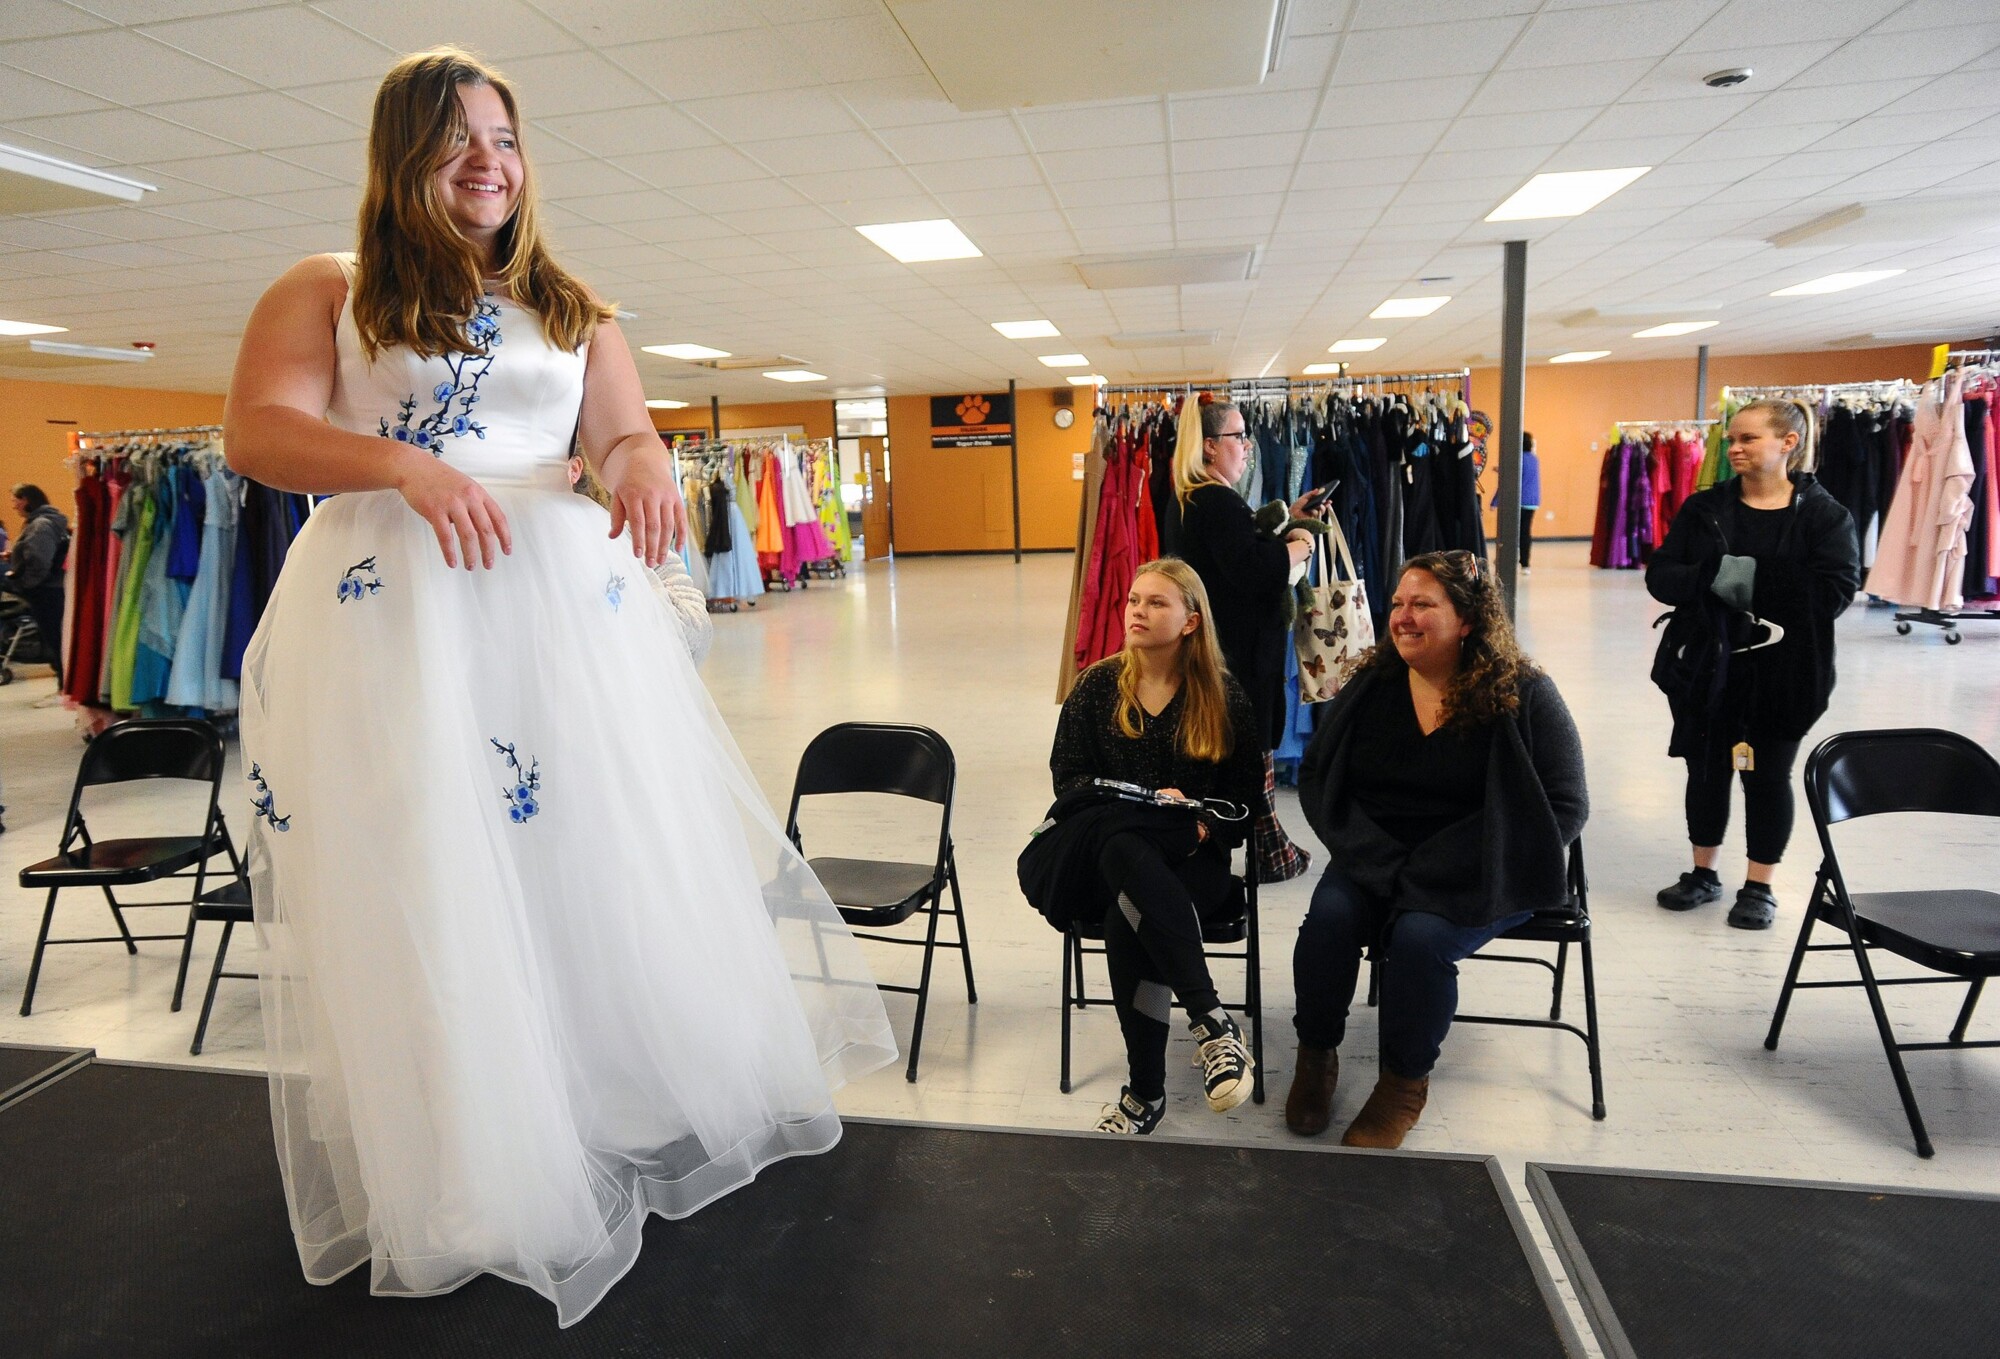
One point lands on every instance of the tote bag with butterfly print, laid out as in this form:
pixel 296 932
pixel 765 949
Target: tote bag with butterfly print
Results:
pixel 1336 627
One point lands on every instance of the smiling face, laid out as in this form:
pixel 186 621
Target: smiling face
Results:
pixel 1228 452
pixel 1425 626
pixel 480 184
pixel 1156 614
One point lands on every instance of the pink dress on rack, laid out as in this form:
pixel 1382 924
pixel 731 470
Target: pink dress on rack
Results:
pixel 1920 561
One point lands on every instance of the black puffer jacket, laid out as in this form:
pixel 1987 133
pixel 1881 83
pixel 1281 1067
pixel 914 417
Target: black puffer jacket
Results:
pixel 1780 690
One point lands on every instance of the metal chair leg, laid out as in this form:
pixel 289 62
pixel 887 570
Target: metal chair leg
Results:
pixel 1562 964
pixel 1965 1011
pixel 1889 1049
pixel 1590 1029
pixel 964 940
pixel 1798 959
pixel 41 946
pixel 1254 999
pixel 187 952
pixel 208 998
pixel 130 945
pixel 924 986
pixel 1068 1000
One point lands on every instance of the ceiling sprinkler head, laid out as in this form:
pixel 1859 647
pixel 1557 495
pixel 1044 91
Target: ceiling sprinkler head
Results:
pixel 1722 80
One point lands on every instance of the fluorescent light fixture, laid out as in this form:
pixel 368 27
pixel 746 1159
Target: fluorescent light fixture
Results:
pixel 1565 193
pixel 690 352
pixel 1837 283
pixel 666 405
pixel 795 375
pixel 32 182
pixel 1026 330
pixel 28 328
pixel 97 353
pixel 1317 369
pixel 1065 360
pixel 1672 328
pixel 1580 356
pixel 1090 380
pixel 917 242
pixel 1354 346
pixel 1407 306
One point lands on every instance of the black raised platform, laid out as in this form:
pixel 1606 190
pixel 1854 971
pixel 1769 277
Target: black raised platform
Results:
pixel 144 1218
pixel 1679 1266
pixel 23 1068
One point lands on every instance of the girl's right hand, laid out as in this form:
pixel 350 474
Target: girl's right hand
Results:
pixel 468 522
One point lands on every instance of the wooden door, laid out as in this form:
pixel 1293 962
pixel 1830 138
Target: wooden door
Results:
pixel 875 529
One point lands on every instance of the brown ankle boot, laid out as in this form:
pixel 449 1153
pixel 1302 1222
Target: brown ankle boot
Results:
pixel 1392 1109
pixel 1309 1106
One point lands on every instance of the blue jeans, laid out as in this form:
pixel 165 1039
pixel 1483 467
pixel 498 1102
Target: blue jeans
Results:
pixel 1419 958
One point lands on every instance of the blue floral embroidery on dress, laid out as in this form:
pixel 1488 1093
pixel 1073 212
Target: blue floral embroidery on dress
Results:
pixel 521 800
pixel 614 590
pixel 265 803
pixel 359 581
pixel 467 370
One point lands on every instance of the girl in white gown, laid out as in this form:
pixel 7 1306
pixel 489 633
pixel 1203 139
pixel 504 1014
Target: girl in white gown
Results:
pixel 521 988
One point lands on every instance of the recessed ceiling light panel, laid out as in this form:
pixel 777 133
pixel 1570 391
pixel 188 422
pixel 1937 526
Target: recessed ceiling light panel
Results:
pixel 1026 330
pixel 1672 328
pixel 795 375
pixel 664 405
pixel 1355 346
pixel 1580 356
pixel 690 352
pixel 1318 369
pixel 1565 193
pixel 1090 380
pixel 1407 306
pixel 29 328
pixel 921 242
pixel 1065 360
pixel 1837 283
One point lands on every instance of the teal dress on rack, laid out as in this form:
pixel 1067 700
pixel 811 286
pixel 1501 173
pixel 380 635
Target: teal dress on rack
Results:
pixel 196 680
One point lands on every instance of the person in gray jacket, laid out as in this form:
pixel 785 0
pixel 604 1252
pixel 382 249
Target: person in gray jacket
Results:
pixel 1446 781
pixel 35 566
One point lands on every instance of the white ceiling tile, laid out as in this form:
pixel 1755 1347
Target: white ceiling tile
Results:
pixel 1634 29
pixel 1679 76
pixel 828 152
pixel 337 160
pixel 1225 153
pixel 772 114
pixel 857 186
pixel 1390 139
pixel 120 65
pixel 1528 91
pixel 504 29
pixel 671 170
pixel 1888 56
pixel 242 173
pixel 1730 142
pixel 131 255
pixel 989 172
pixel 1745 25
pixel 1111 162
pixel 1471 47
pixel 26 96
pixel 44 19
pixel 1236 114
pixel 740 196
pixel 711 65
pixel 604 22
pixel 122 137
pixel 1663 117
pixel 259 122
pixel 238 214
pixel 868 210
pixel 864 46
pixel 269 46
pixel 617 209
pixel 351 101
pixel 983 136
pixel 1625 152
pixel 584 177
pixel 572 82
pixel 1366 172
pixel 970 203
pixel 652 126
pixel 1359 106
pixel 1095 127
pixel 1550 126
pixel 1155 188
pixel 1246 182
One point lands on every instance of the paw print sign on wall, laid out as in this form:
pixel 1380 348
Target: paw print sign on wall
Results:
pixel 973 410
pixel 972 420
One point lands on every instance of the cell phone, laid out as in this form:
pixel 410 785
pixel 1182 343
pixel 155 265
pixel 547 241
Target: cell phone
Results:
pixel 1320 494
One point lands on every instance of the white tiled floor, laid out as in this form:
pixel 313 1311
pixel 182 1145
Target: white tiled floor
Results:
pixel 969 645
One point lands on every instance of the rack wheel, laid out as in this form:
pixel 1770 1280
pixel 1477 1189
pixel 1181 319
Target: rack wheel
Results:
pixel 1902 629
pixel 6 674
pixel 1952 638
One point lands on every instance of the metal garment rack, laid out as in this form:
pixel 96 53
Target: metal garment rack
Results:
pixel 1663 424
pixel 1907 619
pixel 1253 388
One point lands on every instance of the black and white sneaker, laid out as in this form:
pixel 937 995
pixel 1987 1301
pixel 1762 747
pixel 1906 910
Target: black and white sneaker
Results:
pixel 1226 1063
pixel 1131 1116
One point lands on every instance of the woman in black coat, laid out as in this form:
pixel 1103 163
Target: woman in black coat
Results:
pixel 1774 544
pixel 1446 780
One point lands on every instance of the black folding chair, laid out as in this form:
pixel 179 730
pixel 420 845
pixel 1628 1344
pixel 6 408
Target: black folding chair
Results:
pixel 1224 929
pixel 1954 931
pixel 230 905
pixel 908 761
pixel 130 752
pixel 1562 926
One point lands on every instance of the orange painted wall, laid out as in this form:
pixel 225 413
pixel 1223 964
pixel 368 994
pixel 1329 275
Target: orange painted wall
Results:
pixel 961 499
pixel 816 416
pixel 1571 408
pixel 32 449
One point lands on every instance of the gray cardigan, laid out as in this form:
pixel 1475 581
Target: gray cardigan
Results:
pixel 1514 859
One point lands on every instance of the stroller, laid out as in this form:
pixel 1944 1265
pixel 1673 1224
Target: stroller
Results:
pixel 21 642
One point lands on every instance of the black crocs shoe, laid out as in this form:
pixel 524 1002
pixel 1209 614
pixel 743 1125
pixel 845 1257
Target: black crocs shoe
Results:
pixel 1694 889
pixel 1756 907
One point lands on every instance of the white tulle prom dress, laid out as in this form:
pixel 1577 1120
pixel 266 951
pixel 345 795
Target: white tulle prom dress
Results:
pixel 539 959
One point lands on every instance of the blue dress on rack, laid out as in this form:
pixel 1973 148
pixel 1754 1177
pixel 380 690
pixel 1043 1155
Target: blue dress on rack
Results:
pixel 196 681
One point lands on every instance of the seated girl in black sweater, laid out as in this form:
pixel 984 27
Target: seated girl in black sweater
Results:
pixel 1163 714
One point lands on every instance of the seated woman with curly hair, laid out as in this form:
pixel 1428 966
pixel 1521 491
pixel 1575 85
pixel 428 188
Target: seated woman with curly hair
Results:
pixel 1446 781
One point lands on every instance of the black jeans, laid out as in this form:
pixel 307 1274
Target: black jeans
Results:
pixel 1419 958
pixel 45 606
pixel 1152 944
pixel 1527 531
pixel 1767 795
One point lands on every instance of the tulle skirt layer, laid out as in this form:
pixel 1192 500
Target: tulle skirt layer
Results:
pixel 540 960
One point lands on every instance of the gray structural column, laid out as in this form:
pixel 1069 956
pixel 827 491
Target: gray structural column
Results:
pixel 1701 382
pixel 1014 458
pixel 1513 395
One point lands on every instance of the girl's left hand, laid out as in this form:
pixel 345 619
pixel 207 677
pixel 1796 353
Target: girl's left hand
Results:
pixel 646 497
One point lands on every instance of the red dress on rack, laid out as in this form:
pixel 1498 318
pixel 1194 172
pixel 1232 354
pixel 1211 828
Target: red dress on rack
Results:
pixel 88 557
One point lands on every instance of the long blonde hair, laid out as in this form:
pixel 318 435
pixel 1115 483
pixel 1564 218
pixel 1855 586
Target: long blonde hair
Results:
pixel 1205 733
pixel 419 278
pixel 1788 415
pixel 1191 467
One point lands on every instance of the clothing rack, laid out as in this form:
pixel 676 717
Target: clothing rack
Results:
pixel 1967 357
pixel 1887 387
pixel 176 431
pixel 1949 619
pixel 1285 386
pixel 1663 424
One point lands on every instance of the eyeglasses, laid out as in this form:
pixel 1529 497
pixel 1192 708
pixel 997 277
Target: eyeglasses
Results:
pixel 1239 434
